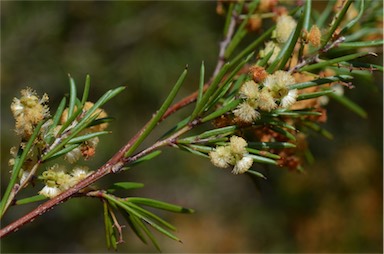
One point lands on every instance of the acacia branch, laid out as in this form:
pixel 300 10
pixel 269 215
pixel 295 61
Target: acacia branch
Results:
pixel 113 165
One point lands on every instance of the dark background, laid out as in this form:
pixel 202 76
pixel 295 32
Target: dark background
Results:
pixel 335 207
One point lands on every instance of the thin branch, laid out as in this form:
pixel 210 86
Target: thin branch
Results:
pixel 118 160
pixel 224 44
pixel 112 166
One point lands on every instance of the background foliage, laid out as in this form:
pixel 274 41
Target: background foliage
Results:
pixel 335 207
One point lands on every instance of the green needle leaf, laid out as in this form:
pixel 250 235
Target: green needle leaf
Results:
pixel 261 159
pixel 20 159
pixel 221 111
pixel 86 89
pixel 321 81
pixel 258 174
pixel 153 122
pixel 147 157
pixel 30 200
pixel 201 83
pixel 86 137
pixel 160 205
pixel 56 119
pixel 72 96
pixel 352 22
pixel 360 44
pixel 349 104
pixel 336 22
pixel 271 145
pixel 125 186
pixel 307 96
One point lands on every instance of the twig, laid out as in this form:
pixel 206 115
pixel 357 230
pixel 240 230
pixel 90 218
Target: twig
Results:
pixel 224 44
pixel 118 160
pixel 112 166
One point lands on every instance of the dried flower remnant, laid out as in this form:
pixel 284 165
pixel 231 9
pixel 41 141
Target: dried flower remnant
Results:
pixel 314 36
pixel 258 73
pixel 255 23
pixel 267 5
pixel 28 111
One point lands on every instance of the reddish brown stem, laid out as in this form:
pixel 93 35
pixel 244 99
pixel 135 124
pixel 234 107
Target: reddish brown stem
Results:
pixel 118 160
pixel 112 166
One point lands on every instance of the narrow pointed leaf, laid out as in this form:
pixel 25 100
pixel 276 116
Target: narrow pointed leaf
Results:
pixel 147 157
pixel 325 14
pixel 271 145
pixel 72 96
pixel 336 22
pixel 56 119
pixel 352 22
pixel 135 223
pixel 61 152
pixel 160 205
pixel 255 173
pixel 20 159
pixel 86 89
pixel 221 111
pixel 149 234
pixel 201 83
pixel 251 47
pixel 30 200
pixel 307 96
pixel 317 128
pixel 321 81
pixel 283 132
pixel 125 186
pixel 261 159
pixel 193 151
pixel 151 216
pixel 156 118
pixel 263 153
pixel 360 44
pixel 349 104
pixel 86 137
pixel 211 89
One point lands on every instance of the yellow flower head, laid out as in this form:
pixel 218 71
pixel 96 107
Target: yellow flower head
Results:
pixel 234 154
pixel 249 90
pixel 246 113
pixel 28 111
pixel 284 27
pixel 278 86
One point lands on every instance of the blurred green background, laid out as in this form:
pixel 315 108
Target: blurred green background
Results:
pixel 335 207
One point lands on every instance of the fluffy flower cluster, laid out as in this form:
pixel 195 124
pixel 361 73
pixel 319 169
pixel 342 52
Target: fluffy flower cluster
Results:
pixel 28 111
pixel 274 92
pixel 233 154
pixel 57 180
pixel 285 25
